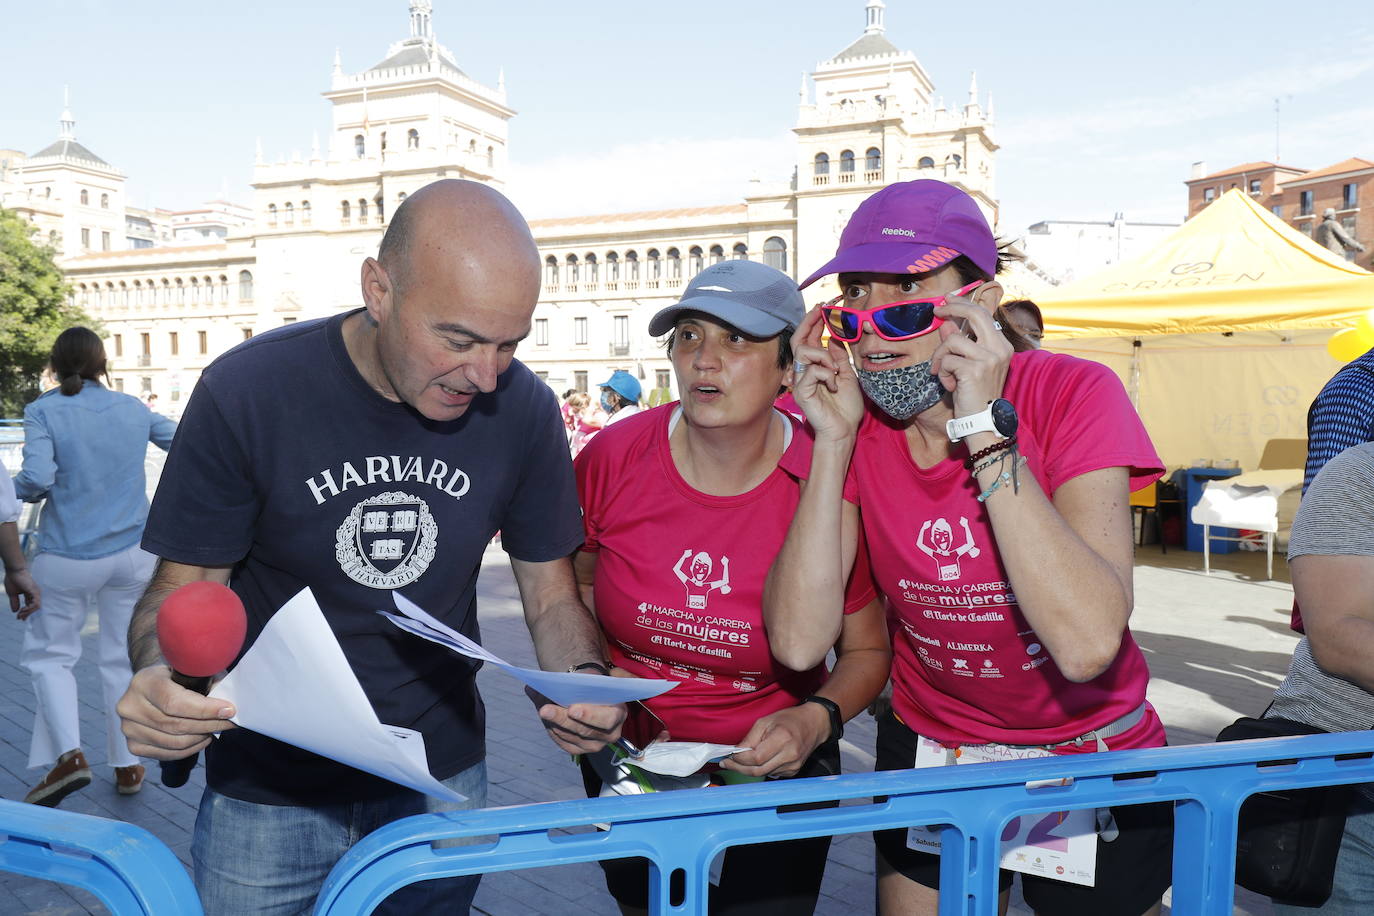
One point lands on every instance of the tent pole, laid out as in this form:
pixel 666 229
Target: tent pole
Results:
pixel 1135 373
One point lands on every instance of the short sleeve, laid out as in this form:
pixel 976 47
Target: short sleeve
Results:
pixel 589 469
pixel 1336 516
pixel 541 522
pixel 1085 422
pixel 9 504
pixel 207 501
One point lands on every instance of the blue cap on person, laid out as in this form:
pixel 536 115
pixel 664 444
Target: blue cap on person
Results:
pixel 754 298
pixel 623 384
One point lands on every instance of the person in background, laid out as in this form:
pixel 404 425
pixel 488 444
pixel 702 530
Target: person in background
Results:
pixel 620 396
pixel 23 592
pixel 685 507
pixel 1341 415
pixel 566 412
pixel 84 448
pixel 1025 317
pixel 980 467
pixel 1330 681
pixel 588 420
pixel 1331 235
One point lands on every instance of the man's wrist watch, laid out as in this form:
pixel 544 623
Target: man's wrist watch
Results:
pixel 998 417
pixel 598 667
pixel 833 710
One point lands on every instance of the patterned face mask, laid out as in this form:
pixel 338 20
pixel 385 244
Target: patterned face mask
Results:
pixel 904 392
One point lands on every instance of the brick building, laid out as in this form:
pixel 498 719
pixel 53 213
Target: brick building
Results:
pixel 1298 196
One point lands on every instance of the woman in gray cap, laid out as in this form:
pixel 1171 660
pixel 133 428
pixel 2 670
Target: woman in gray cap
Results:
pixel 685 507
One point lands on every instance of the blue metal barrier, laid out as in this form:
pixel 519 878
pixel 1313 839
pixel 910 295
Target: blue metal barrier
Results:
pixel 685 830
pixel 128 868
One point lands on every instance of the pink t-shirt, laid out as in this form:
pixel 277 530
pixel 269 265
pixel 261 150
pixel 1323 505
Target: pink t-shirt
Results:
pixel 679 580
pixel 967 668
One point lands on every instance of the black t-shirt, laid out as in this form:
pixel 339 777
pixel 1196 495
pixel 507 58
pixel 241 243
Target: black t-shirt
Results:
pixel 289 467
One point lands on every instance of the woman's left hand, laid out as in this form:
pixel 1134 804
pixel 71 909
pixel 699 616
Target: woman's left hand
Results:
pixel 974 370
pixel 780 743
pixel 19 584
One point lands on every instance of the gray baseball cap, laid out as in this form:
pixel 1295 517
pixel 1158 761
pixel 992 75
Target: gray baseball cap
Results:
pixel 758 300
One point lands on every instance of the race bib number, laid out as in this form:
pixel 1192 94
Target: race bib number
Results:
pixel 1061 844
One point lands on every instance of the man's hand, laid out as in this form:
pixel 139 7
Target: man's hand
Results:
pixel 19 584
pixel 779 744
pixel 164 720
pixel 582 728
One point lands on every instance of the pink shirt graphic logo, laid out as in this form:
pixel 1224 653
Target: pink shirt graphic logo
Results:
pixel 697 579
pixel 936 540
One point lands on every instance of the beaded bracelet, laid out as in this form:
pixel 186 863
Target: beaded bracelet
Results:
pixel 993 449
pixel 1006 477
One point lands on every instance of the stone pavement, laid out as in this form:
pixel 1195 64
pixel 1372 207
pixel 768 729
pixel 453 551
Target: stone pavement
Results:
pixel 1217 647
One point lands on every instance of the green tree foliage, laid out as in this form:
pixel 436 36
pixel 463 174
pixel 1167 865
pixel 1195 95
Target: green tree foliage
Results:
pixel 33 311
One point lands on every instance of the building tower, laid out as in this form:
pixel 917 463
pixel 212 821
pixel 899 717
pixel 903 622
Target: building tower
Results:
pixel 875 120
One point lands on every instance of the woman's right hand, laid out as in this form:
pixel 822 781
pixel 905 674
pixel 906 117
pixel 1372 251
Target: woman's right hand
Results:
pixel 824 384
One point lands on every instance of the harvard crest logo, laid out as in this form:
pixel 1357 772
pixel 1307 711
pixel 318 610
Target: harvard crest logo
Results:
pixel 387 541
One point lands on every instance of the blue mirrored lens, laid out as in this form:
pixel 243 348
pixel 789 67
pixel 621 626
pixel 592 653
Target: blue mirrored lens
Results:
pixel 905 319
pixel 842 324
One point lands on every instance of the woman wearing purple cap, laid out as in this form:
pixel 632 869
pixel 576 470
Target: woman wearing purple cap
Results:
pixel 990 482
pixel 685 507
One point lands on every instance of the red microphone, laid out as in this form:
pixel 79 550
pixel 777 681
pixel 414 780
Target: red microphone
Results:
pixel 200 629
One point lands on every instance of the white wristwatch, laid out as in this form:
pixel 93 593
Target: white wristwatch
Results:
pixel 998 417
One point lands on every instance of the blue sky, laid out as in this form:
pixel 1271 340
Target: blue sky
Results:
pixel 628 104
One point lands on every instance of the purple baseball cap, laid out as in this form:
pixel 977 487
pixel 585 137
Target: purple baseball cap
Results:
pixel 913 227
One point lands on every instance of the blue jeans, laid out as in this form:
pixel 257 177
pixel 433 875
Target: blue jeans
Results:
pixel 1353 888
pixel 270 860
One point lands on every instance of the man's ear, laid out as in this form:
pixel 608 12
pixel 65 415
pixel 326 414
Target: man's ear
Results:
pixel 988 295
pixel 376 289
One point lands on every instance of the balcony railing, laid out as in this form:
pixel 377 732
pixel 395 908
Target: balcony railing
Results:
pixel 145 360
pixel 620 349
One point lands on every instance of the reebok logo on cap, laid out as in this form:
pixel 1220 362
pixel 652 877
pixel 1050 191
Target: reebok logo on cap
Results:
pixel 888 230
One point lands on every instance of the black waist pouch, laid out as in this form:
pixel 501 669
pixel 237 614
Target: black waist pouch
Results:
pixel 1287 840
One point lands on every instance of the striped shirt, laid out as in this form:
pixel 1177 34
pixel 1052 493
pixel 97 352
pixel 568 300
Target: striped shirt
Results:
pixel 1341 416
pixel 1336 518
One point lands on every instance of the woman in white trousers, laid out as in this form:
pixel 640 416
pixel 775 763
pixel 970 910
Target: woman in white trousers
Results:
pixel 84 448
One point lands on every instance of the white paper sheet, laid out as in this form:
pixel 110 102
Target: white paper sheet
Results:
pixel 561 687
pixel 681 758
pixel 295 685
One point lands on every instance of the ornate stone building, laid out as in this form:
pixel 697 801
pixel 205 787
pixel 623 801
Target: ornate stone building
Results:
pixel 867 117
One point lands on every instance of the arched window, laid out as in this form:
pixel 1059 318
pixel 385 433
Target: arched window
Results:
pixel 696 261
pixel 412 139
pixel 289 214
pixel 52 238
pixel 305 213
pixel 655 267
pixel 717 254
pixel 632 266
pixel 47 192
pixel 612 267
pixel 180 291
pixel 359 146
pixel 573 273
pixel 491 156
pixel 104 201
pixel 847 161
pixel 472 146
pixel 926 163
pixel 873 159
pixel 775 253
pixel 223 288
pixel 85 197
pixel 400 198
pixel 123 294
pixel 822 164
pixel 362 212
pixel 381 209
pixel 245 285
pixel 382 145
pixel 343 213
pixel 593 268
pixel 551 272
pixel 955 161
pixel 674 264
pixel 166 291
pixel 271 214
pixel 741 252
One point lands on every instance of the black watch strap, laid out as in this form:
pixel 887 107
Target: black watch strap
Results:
pixel 836 717
pixel 598 667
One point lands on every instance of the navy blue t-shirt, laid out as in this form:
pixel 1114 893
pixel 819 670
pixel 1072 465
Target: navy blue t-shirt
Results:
pixel 290 467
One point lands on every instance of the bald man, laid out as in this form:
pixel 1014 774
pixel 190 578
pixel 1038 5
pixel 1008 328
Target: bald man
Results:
pixel 372 451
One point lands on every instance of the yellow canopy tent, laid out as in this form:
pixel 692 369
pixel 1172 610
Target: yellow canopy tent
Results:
pixel 1219 332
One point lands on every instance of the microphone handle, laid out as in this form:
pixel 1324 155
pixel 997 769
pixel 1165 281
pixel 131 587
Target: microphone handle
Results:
pixel 176 772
